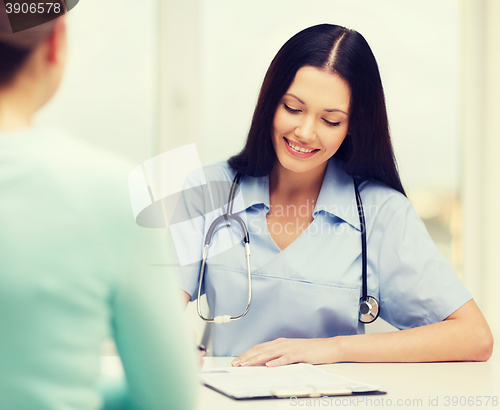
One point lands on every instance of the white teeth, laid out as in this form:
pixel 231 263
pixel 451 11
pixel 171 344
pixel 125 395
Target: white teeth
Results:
pixel 298 149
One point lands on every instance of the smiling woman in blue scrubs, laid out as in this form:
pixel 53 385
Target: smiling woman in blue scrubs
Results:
pixel 320 120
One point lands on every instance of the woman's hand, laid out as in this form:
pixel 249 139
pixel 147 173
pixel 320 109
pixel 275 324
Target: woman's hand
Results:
pixel 283 351
pixel 465 330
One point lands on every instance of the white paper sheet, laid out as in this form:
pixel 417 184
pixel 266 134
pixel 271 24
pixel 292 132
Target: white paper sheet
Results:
pixel 297 380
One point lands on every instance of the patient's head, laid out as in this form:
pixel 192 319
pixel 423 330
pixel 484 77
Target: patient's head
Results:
pixel 32 63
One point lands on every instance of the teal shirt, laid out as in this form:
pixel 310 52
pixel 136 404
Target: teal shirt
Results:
pixel 74 270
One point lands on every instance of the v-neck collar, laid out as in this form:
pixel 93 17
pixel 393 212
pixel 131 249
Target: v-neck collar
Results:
pixel 336 197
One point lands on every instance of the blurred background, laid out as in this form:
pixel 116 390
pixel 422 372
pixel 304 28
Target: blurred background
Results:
pixel 145 77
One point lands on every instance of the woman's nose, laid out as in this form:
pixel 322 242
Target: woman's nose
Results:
pixel 305 130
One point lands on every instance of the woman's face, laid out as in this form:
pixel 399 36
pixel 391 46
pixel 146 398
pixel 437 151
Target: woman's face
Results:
pixel 311 120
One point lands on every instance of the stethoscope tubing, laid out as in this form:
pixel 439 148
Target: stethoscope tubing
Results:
pixel 369 306
pixel 363 241
pixel 227 218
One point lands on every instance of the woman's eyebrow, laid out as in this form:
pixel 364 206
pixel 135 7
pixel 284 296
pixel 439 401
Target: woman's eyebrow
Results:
pixel 297 98
pixel 327 110
pixel 335 110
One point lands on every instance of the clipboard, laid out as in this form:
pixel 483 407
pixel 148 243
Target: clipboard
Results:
pixel 291 381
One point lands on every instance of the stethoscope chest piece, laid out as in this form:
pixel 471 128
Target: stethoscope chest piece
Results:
pixel 368 310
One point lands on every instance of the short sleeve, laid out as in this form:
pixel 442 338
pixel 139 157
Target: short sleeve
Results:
pixel 185 233
pixel 417 284
pixel 202 200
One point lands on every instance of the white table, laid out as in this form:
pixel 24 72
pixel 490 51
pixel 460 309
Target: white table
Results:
pixel 408 385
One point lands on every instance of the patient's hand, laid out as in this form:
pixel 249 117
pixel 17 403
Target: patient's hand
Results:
pixel 283 351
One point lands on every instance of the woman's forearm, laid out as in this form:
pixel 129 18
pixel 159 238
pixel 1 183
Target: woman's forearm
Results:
pixel 463 336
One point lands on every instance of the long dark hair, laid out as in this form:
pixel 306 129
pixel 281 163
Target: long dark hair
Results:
pixel 12 59
pixel 367 149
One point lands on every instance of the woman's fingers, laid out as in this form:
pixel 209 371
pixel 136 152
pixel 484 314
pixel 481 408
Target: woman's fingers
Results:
pixel 257 355
pixel 282 350
pixel 280 361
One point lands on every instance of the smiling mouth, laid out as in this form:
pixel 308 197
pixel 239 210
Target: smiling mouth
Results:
pixel 299 149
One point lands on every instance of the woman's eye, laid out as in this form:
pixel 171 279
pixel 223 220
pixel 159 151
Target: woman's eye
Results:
pixel 290 109
pixel 333 124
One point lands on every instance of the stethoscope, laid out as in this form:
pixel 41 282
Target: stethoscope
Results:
pixel 368 307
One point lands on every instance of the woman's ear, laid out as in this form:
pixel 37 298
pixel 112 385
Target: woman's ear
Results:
pixel 56 43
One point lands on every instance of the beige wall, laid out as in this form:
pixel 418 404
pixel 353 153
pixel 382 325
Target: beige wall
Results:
pixel 481 151
pixel 109 92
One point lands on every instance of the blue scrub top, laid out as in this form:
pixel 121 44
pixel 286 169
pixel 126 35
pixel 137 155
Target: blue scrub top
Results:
pixel 312 288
